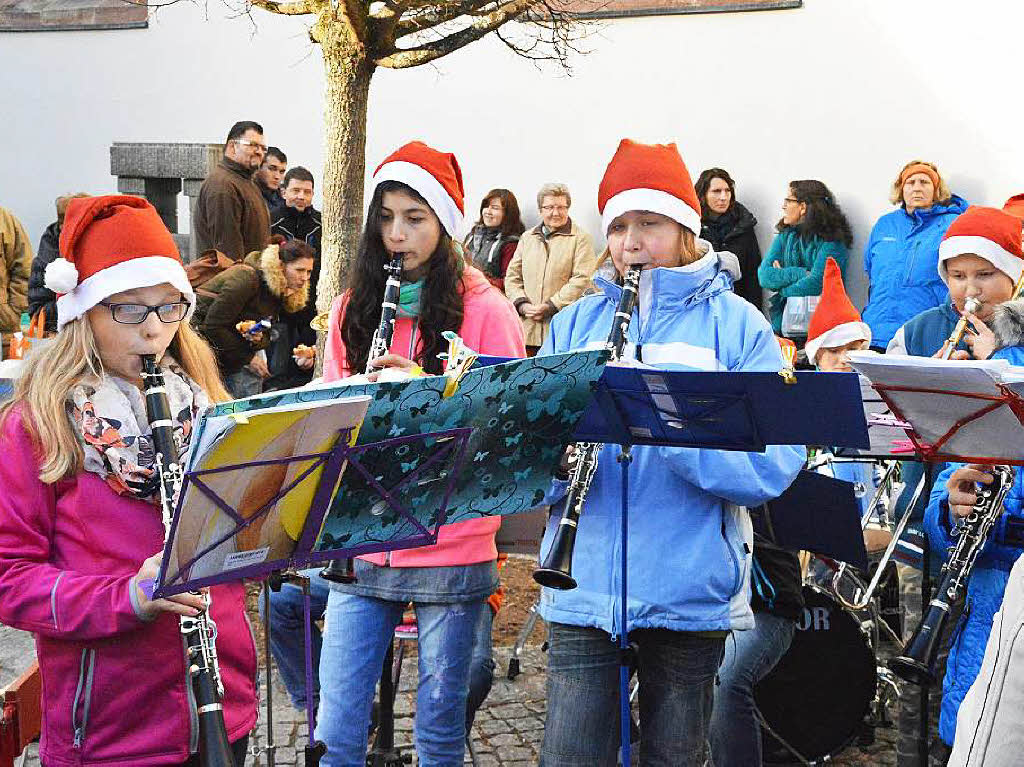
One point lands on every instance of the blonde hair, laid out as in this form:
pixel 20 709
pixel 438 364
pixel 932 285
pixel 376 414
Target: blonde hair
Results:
pixel 554 190
pixel 49 376
pixel 942 193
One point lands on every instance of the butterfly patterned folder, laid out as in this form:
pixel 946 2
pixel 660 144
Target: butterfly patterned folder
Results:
pixel 523 414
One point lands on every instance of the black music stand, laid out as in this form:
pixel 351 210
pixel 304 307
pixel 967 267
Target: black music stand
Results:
pixel 730 411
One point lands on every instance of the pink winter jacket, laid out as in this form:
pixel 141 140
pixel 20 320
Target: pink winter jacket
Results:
pixel 489 326
pixel 115 690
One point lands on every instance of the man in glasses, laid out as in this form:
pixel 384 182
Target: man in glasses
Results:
pixel 231 215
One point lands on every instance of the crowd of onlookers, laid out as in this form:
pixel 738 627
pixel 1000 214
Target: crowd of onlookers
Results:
pixel 257 258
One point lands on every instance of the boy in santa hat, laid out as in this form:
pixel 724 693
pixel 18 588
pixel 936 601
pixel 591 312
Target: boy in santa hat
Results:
pixel 688 531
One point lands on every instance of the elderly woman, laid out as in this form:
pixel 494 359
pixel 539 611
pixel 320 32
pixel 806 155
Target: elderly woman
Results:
pixel 902 253
pixel 728 225
pixel 552 265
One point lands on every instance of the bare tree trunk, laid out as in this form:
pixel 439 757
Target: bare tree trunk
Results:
pixel 347 71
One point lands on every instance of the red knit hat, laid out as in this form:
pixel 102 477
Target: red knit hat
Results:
pixel 435 175
pixel 835 322
pixel 648 177
pixel 1015 206
pixel 987 232
pixel 108 245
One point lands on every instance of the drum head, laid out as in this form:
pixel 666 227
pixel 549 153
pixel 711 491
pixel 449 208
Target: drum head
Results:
pixel 818 694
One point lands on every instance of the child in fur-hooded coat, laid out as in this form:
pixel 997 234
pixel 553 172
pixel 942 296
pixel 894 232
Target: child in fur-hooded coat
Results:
pixel 255 289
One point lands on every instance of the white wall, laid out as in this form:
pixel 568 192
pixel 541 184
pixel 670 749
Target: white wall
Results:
pixel 841 90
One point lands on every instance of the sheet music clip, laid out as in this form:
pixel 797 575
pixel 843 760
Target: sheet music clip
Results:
pixel 788 371
pixel 888 419
pixel 457 361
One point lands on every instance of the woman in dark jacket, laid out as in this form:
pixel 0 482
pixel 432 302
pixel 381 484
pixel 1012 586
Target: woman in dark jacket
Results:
pixel 492 240
pixel 259 288
pixel 727 225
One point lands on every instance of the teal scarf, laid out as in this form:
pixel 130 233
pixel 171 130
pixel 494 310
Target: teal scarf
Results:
pixel 409 299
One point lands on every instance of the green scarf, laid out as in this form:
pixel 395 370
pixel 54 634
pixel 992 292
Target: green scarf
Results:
pixel 409 299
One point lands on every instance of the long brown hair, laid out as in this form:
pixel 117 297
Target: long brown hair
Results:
pixel 441 304
pixel 48 378
pixel 512 221
pixel 823 218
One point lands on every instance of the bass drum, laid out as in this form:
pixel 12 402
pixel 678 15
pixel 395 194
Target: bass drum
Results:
pixel 816 698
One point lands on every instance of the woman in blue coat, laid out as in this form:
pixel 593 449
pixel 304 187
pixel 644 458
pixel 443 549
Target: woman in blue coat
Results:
pixel 903 250
pixel 812 229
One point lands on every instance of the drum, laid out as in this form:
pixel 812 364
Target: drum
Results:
pixel 818 695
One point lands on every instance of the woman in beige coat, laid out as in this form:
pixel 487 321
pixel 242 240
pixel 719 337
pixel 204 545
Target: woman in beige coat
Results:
pixel 552 266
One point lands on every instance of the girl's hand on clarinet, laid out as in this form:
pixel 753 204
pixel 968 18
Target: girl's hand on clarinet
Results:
pixel 395 361
pixel 963 493
pixel 979 339
pixel 185 604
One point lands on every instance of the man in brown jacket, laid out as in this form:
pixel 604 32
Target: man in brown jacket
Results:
pixel 552 266
pixel 15 265
pixel 231 215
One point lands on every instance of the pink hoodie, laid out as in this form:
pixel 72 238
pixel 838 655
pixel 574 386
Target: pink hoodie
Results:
pixel 115 689
pixel 490 326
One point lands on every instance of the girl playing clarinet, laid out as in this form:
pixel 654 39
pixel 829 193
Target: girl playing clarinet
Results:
pixel 416 211
pixel 80 513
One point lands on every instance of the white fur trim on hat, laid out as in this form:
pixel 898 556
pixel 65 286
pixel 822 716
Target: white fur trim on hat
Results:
pixel 428 187
pixel 838 336
pixel 1003 260
pixel 60 276
pixel 141 272
pixel 654 200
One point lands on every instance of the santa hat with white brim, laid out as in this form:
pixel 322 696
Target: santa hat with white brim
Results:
pixel 651 177
pixel 108 245
pixel 436 177
pixel 990 233
pixel 836 321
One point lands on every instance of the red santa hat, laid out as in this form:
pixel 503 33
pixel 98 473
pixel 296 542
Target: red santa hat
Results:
pixel 648 177
pixel 436 177
pixel 989 233
pixel 1015 206
pixel 108 245
pixel 835 322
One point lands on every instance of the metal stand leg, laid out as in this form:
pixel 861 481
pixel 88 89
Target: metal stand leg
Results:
pixel 524 635
pixel 384 753
pixel 625 652
pixel 271 746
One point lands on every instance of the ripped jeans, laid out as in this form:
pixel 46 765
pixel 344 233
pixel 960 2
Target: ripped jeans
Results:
pixel 358 629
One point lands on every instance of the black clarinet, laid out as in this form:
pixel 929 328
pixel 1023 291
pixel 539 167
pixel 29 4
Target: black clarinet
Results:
pixel 917 663
pixel 556 570
pixel 344 571
pixel 199 632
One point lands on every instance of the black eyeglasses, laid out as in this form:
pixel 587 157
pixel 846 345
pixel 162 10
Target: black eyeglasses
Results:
pixel 136 314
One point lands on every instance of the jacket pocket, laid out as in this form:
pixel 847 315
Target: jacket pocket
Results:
pixel 83 697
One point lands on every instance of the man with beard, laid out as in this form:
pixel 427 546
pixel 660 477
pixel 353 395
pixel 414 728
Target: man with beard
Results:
pixel 231 215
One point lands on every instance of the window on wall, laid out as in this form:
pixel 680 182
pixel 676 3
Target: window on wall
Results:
pixel 617 8
pixel 56 15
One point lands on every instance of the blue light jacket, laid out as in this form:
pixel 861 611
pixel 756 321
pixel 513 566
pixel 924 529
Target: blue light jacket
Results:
pixel 901 260
pixel 690 538
pixel 985 587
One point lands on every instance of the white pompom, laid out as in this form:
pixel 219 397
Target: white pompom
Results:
pixel 61 276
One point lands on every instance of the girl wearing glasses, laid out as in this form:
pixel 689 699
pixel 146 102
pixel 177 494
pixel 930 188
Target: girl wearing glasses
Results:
pixel 415 212
pixel 80 517
pixel 263 286
pixel 812 228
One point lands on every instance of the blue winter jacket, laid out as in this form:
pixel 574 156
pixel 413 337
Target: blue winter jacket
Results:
pixel 690 538
pixel 986 586
pixel 802 269
pixel 901 260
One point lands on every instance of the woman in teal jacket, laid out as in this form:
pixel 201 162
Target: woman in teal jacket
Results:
pixel 812 229
pixel 903 251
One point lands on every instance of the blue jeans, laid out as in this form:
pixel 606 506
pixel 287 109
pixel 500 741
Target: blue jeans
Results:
pixel 287 644
pixel 677 675
pixel 287 635
pixel 357 634
pixel 749 656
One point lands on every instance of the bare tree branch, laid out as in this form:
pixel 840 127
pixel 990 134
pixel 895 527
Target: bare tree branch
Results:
pixel 440 13
pixel 290 8
pixel 479 27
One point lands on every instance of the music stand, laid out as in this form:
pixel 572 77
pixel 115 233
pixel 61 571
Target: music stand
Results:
pixel 730 411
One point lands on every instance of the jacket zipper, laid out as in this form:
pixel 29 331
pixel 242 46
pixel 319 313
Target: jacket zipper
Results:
pixel 83 695
pixel 53 601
